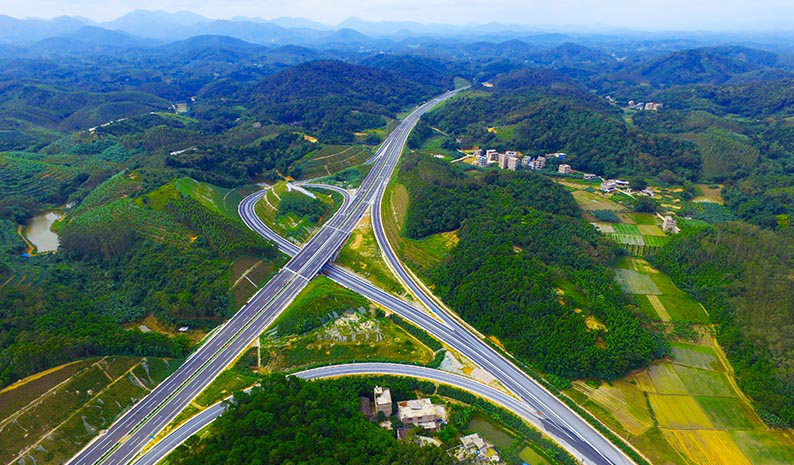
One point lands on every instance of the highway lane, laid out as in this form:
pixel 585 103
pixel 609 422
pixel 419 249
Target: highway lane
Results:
pixel 451 332
pixel 127 436
pixel 203 419
pixel 559 421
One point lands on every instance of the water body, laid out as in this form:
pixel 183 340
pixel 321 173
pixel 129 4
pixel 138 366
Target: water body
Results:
pixel 39 234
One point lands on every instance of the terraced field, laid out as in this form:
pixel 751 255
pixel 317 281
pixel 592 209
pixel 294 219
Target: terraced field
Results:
pixel 46 418
pixel 331 159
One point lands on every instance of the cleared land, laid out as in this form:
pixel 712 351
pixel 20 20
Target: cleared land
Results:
pixel 333 158
pixel 58 422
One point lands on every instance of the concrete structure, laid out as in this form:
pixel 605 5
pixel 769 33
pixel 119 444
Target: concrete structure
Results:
pixel 478 450
pixel 589 176
pixel 559 155
pixel 512 163
pixel 669 225
pixel 503 161
pixel 608 186
pixel 383 401
pixel 564 169
pixel 622 184
pixel 492 155
pixel 420 412
pixel 482 160
pixel 540 163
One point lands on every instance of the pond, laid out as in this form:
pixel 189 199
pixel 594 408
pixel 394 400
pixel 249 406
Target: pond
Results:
pixel 39 234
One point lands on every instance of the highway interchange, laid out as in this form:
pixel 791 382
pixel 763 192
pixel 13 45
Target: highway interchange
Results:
pixel 124 440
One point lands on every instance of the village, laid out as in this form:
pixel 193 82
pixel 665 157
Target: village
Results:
pixel 513 160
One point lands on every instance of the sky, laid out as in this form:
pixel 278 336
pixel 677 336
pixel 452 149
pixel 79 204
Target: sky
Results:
pixel 633 14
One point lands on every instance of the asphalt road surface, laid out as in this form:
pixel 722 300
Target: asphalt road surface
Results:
pixel 203 419
pixel 120 443
pixel 556 418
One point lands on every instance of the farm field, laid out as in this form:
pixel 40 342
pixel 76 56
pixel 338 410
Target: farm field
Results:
pixel 658 297
pixel 218 199
pixel 58 411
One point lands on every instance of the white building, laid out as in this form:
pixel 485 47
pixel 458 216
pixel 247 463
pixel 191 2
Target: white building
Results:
pixel 589 176
pixel 564 169
pixel 421 412
pixel 503 161
pixel 512 163
pixel 383 401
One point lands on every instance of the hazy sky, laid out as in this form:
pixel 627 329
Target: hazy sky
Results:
pixel 637 14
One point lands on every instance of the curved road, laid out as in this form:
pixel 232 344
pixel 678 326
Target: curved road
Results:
pixel 203 419
pixel 557 419
pixel 137 427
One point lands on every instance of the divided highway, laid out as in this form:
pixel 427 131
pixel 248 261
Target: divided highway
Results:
pixel 556 418
pixel 203 419
pixel 128 436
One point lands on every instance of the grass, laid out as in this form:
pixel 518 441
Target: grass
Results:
pixel 292 226
pixel 362 255
pixel 421 255
pixel 696 356
pixel 646 219
pixel 634 282
pixel 678 411
pixel 767 448
pixel 331 159
pixel 224 385
pixel 728 413
pixel 18 395
pixel 627 229
pixel 704 382
pixel 681 307
pixel 320 301
pixel 593 201
pixel 217 199
pixel 61 422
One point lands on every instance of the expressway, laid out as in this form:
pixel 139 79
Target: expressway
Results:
pixel 203 419
pixel 125 438
pixel 557 419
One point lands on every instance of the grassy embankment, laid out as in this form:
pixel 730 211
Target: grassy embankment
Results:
pixel 295 228
pixel 49 416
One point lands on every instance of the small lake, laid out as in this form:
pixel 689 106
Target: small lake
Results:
pixel 39 234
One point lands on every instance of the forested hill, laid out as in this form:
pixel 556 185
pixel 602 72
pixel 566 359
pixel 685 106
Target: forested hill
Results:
pixel 539 112
pixel 288 420
pixel 333 99
pixel 527 269
pixel 742 274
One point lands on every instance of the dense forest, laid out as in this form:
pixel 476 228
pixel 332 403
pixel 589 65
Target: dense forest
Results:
pixel 742 274
pixel 288 420
pixel 536 244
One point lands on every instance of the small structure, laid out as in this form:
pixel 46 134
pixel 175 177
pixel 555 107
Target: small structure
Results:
pixel 512 163
pixel 589 176
pixel 608 186
pixel 622 183
pixel 383 401
pixel 474 449
pixel 564 169
pixel 482 161
pixel 503 161
pixel 669 225
pixel 492 155
pixel 422 413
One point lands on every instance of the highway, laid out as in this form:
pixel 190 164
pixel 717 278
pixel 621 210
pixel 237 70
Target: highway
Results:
pixel 557 419
pixel 125 438
pixel 203 419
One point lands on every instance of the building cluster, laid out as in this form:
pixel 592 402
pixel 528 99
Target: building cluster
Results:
pixel 645 106
pixel 474 450
pixel 512 160
pixel 411 413
pixel 611 185
pixel 669 225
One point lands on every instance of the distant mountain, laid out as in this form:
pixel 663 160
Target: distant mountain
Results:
pixel 155 24
pixel 571 54
pixel 32 30
pixel 702 66
pixel 300 23
pixel 424 70
pixel 514 49
pixel 258 33
pixel 89 40
pixel 344 37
